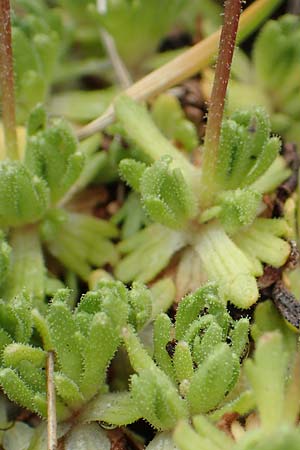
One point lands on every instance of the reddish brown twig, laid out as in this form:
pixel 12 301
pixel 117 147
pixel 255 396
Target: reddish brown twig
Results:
pixel 7 81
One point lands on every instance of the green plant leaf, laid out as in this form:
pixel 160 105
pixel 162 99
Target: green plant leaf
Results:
pixel 206 391
pixel 62 328
pixel 132 171
pixel 225 263
pixel 24 198
pixel 116 408
pixel 170 118
pixel 167 197
pixel 147 253
pixel 52 155
pixel 267 374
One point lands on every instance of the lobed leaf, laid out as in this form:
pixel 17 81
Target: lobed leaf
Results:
pixel 62 329
pixel 24 198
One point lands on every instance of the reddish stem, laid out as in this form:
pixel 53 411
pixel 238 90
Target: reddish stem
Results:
pixel 232 13
pixel 7 81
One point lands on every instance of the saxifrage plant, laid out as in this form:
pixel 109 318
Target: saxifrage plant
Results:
pixel 214 219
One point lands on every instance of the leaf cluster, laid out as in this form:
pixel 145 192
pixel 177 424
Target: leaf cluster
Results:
pixel 196 364
pixel 275 389
pixel 80 368
pixel 36 35
pixel 271 77
pixel 171 191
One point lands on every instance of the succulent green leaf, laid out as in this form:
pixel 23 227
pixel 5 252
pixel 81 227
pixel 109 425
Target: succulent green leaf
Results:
pixel 5 339
pixel 144 393
pixel 5 253
pixel 261 241
pixel 81 105
pixel 95 358
pixel 116 408
pixel 206 390
pixel 170 118
pixel 15 318
pixel 139 358
pixel 161 339
pixel 8 320
pixel 79 241
pixel 131 215
pixel 266 319
pixel 225 263
pixel 140 127
pixel 163 295
pixel 197 327
pixel 100 316
pixel 27 72
pixel 132 171
pixel 157 398
pixel 62 328
pixel 47 49
pixel 42 327
pixel 27 270
pixel 15 353
pixel 267 374
pixel 275 49
pixel 240 336
pixel 266 158
pixel 16 389
pixel 190 307
pixel 140 303
pixel 24 198
pixel 111 298
pixel 205 428
pixel 183 362
pixel 52 155
pixel 21 305
pixel 273 177
pixel 202 348
pixel 238 208
pixel 148 252
pixel 246 150
pixel 33 376
pixel 187 439
pixel 243 404
pixel 167 197
pixel 68 391
pixel 36 38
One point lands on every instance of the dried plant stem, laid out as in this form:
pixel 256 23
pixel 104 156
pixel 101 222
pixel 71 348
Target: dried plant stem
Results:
pixel 7 81
pixel 109 43
pixel 51 403
pixel 232 13
pixel 185 65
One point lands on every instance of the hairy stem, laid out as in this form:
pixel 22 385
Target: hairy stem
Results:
pixel 7 81
pixel 212 136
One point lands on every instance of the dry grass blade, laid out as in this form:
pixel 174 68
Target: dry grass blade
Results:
pixel 185 65
pixel 51 403
pixel 109 43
